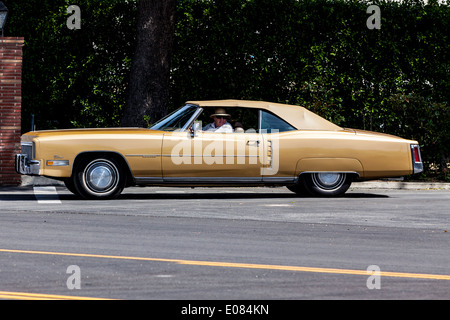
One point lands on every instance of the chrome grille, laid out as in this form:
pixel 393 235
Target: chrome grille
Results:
pixel 27 148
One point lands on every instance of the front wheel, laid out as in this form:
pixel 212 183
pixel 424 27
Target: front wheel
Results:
pixel 327 184
pixel 101 178
pixel 71 186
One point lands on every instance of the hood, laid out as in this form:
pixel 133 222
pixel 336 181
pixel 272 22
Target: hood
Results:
pixel 87 131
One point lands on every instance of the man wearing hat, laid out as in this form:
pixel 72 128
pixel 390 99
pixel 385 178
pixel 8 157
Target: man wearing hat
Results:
pixel 220 123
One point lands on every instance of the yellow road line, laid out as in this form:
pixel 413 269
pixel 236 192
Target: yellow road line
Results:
pixel 317 270
pixel 244 265
pixel 40 296
pixel 8 296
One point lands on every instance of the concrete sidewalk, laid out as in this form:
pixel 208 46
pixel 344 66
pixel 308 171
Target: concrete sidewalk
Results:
pixel 401 185
pixel 376 184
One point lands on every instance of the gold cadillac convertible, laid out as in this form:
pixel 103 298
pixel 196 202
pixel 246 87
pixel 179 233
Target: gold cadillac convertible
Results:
pixel 219 143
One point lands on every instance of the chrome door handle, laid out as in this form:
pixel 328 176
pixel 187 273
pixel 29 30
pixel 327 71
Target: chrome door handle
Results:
pixel 253 142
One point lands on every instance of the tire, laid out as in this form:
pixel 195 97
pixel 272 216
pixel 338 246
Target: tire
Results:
pixel 70 186
pixel 100 178
pixel 299 189
pixel 327 184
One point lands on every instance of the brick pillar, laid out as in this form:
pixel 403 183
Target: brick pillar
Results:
pixel 10 107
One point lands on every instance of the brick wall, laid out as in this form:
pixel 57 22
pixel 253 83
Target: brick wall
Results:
pixel 10 107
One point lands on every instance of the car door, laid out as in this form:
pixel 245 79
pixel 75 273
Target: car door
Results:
pixel 278 166
pixel 211 157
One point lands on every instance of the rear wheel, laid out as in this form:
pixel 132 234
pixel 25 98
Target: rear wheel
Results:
pixel 328 184
pixel 298 188
pixel 101 178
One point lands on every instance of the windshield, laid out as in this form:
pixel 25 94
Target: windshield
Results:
pixel 177 120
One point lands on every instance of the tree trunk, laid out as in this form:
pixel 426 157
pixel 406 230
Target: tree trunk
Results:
pixel 148 89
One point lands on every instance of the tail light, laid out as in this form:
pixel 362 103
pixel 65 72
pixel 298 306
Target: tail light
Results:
pixel 416 159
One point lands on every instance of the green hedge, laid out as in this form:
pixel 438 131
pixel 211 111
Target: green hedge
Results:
pixel 315 53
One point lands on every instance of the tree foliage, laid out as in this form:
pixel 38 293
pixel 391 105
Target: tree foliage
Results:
pixel 74 78
pixel 315 53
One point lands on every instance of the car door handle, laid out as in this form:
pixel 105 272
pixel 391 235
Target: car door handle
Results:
pixel 254 143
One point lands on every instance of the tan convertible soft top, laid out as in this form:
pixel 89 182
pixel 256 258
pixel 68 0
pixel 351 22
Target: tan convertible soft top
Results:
pixel 297 116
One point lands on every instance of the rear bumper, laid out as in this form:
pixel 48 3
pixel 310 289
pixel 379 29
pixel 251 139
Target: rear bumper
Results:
pixel 26 166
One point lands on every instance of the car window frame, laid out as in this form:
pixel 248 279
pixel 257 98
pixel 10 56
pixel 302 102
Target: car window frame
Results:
pixel 186 125
pixel 260 114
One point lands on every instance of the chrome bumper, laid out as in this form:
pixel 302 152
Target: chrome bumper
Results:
pixel 26 166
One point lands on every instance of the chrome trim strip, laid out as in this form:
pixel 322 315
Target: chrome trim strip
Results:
pixel 142 155
pixel 148 180
pixel 270 145
pixel 197 180
pixel 215 180
pixel 259 120
pixel 208 156
pixel 192 119
pixel 279 179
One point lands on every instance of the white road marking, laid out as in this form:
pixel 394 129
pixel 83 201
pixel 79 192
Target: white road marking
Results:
pixel 277 205
pixel 170 191
pixel 46 195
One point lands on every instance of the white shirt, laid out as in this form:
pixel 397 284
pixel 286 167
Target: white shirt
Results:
pixel 212 128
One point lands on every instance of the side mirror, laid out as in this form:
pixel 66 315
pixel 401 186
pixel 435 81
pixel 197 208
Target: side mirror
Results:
pixel 196 126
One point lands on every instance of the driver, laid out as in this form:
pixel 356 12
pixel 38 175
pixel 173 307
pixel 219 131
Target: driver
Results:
pixel 220 123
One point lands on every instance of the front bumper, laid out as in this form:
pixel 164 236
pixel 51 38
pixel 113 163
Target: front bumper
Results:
pixel 26 166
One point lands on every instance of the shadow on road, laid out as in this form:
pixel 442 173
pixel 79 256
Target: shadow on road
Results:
pixel 28 195
pixel 237 195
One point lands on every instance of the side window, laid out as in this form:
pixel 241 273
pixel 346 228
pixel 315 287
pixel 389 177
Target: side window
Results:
pixel 245 118
pixel 271 122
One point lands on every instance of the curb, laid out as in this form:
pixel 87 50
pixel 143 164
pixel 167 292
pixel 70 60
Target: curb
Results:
pixel 400 185
pixel 28 181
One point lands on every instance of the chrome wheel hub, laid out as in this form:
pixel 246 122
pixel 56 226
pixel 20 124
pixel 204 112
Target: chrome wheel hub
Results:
pixel 328 180
pixel 101 176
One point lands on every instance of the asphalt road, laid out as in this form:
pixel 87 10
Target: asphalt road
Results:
pixel 224 243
